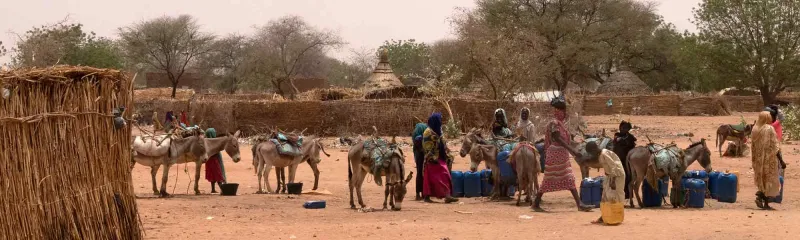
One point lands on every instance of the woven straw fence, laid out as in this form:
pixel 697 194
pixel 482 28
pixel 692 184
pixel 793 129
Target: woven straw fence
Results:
pixel 64 168
pixel 335 118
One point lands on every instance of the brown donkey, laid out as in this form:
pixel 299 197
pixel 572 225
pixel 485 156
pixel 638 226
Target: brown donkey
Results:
pixel 641 161
pixel 359 164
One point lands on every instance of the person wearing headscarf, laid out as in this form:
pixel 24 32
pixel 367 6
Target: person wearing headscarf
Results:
pixel 777 118
pixel 214 169
pixel 558 174
pixel 168 120
pixel 765 163
pixel 156 123
pixel 525 127
pixel 436 179
pixel 500 126
pixel 184 119
pixel 613 185
pixel 419 156
pixel 624 141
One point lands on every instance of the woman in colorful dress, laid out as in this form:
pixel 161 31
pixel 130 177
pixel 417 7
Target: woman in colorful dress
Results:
pixel 764 155
pixel 419 156
pixel 436 179
pixel 214 173
pixel 558 174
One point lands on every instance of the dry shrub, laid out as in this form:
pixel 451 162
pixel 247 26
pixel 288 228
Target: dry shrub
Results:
pixel 161 93
pixel 330 94
pixel 65 168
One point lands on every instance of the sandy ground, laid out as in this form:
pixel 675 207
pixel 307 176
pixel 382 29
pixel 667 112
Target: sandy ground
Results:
pixel 256 216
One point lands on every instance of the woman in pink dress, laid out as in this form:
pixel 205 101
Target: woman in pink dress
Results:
pixel 558 174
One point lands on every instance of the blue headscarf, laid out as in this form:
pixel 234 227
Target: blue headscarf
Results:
pixel 435 123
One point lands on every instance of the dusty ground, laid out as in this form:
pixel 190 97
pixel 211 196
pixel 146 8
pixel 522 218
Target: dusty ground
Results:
pixel 252 216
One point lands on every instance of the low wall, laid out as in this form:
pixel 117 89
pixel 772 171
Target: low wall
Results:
pixel 398 116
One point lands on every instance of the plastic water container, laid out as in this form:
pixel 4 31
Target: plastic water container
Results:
pixel 586 191
pixel 650 197
pixel 486 187
pixel 458 183
pixel 779 198
pixel 737 177
pixel 663 186
pixel 726 187
pixel 696 189
pixel 591 191
pixel 713 179
pixel 613 212
pixel 314 204
pixel 472 184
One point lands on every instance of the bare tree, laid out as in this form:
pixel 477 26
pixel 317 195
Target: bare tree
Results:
pixel 502 65
pixel 168 44
pixel 288 45
pixel 226 60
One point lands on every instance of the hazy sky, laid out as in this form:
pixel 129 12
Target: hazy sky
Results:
pixel 364 24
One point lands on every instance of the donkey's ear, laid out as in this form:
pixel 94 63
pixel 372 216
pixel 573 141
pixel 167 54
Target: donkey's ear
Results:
pixel 238 132
pixel 410 176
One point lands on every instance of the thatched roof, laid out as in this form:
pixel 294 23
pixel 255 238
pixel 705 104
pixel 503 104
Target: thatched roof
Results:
pixel 624 82
pixel 383 77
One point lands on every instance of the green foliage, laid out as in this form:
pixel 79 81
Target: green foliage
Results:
pixel 65 44
pixel 791 122
pixel 573 40
pixel 681 63
pixel 408 58
pixel 753 43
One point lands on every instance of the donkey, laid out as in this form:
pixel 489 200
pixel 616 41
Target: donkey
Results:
pixel 311 156
pixel 266 156
pixel 359 164
pixel 641 161
pixel 166 151
pixel 585 166
pixel 526 159
pixel 474 145
pixel 726 132
pixel 525 156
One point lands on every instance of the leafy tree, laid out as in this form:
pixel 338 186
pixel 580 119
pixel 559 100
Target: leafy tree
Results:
pixel 289 47
pixel 65 44
pixel 168 44
pixel 408 58
pixel 754 43
pixel 579 39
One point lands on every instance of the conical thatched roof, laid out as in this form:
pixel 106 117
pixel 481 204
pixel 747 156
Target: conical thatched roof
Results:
pixel 383 77
pixel 624 82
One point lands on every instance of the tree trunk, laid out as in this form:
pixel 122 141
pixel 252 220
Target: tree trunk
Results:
pixel 768 96
pixel 174 88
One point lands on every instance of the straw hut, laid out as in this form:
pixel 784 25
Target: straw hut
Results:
pixel 383 77
pixel 64 157
pixel 624 82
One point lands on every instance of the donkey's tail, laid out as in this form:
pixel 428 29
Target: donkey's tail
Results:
pixel 349 170
pixel 322 148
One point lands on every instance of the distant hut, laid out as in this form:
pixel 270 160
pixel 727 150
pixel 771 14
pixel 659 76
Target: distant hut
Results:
pixel 383 77
pixel 624 82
